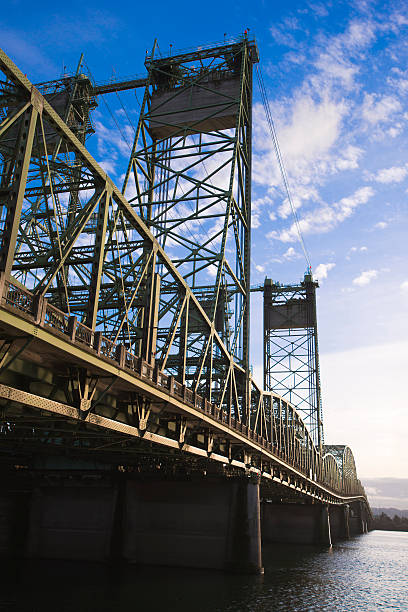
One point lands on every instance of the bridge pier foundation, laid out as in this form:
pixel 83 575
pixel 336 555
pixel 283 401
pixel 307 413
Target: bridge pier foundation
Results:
pixel 193 524
pixel 297 524
pixel 14 515
pixel 358 519
pixel 71 522
pixel 339 522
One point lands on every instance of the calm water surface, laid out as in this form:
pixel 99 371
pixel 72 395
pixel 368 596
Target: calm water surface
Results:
pixel 367 573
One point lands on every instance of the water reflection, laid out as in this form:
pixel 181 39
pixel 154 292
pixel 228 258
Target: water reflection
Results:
pixel 367 573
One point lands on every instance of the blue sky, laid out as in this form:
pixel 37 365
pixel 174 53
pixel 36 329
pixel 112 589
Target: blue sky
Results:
pixel 337 80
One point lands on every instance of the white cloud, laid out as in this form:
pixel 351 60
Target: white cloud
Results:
pixel 255 222
pixel 365 278
pixel 371 490
pixel 377 109
pixel 307 134
pixel 404 286
pixel 107 166
pixel 336 59
pixel 260 268
pixel 355 249
pixel 381 225
pixel 395 130
pixel 322 270
pixel 326 217
pixel 212 270
pixel 300 194
pixel 395 174
pixel 291 254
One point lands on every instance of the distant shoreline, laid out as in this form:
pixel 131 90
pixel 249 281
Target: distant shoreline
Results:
pixel 385 523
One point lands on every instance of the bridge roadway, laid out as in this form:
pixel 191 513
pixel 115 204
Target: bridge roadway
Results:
pixel 213 523
pixel 49 338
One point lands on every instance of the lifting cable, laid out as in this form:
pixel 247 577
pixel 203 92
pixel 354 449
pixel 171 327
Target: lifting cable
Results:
pixel 111 113
pixel 125 111
pixel 278 153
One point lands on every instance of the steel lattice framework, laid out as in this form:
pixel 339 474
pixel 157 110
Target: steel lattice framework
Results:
pixel 69 238
pixel 189 178
pixel 291 351
pixel 103 334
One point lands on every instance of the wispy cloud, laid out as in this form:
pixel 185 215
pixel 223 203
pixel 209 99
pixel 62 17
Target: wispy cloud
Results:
pixel 291 254
pixel 26 54
pixel 395 174
pixel 325 218
pixel 365 278
pixel 377 108
pixel 381 225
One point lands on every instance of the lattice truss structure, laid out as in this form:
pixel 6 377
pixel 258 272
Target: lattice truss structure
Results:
pixel 189 180
pixel 291 353
pixel 80 260
pixel 70 236
pixel 344 458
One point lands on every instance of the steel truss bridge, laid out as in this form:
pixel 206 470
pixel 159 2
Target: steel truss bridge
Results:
pixel 124 317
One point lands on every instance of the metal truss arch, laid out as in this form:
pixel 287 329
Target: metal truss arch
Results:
pixel 86 278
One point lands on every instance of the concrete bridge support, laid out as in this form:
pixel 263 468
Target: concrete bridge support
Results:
pixel 14 515
pixel 195 524
pixel 358 518
pixel 339 522
pixel 297 524
pixel 209 522
pixel 71 522
pixel 202 523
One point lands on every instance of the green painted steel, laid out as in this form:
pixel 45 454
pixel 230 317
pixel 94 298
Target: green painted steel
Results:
pixel 131 308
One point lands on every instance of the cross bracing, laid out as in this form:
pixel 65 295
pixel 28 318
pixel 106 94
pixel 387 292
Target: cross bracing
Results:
pixel 189 179
pixel 291 352
pixel 90 292
pixel 71 241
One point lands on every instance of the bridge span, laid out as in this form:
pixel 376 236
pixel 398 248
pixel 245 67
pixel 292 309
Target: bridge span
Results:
pixel 131 426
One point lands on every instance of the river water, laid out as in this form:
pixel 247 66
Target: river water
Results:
pixel 366 573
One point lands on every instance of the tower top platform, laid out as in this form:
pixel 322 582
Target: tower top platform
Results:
pixel 216 49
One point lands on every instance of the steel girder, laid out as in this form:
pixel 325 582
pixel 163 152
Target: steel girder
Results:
pixel 97 260
pixel 87 267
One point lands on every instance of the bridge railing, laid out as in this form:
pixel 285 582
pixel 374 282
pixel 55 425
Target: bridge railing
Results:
pixel 282 433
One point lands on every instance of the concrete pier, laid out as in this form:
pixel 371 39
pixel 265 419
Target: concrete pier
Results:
pixel 358 519
pixel 71 522
pixel 204 522
pixel 14 517
pixel 339 522
pixel 193 524
pixel 297 524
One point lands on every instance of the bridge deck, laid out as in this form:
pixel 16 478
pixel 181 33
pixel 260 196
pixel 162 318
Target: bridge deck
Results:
pixel 49 347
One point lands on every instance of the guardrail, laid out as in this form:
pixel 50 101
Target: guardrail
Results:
pixel 291 442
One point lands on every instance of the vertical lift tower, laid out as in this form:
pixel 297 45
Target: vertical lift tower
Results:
pixel 189 178
pixel 291 352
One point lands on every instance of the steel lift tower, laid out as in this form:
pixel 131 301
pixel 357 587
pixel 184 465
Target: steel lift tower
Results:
pixel 189 178
pixel 68 239
pixel 291 351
